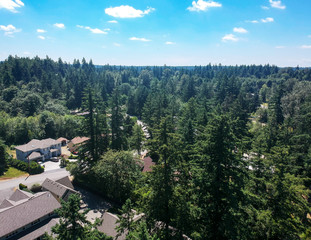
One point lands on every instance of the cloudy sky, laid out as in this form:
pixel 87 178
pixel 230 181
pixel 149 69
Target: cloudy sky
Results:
pixel 158 32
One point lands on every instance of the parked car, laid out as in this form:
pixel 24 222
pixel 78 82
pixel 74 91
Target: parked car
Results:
pixel 54 159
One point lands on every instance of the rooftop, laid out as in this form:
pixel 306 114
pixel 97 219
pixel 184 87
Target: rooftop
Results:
pixel 57 188
pixel 37 144
pixel 18 216
pixel 78 140
pixel 148 163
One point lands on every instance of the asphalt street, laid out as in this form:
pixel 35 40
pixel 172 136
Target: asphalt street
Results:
pixel 8 186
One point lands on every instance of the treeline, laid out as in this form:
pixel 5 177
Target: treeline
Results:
pixel 231 144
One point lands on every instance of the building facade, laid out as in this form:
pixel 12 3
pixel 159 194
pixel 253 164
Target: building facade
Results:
pixel 39 150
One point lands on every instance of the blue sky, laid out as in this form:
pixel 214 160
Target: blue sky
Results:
pixel 158 32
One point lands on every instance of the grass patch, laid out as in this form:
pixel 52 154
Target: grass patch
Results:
pixel 12 152
pixel 12 173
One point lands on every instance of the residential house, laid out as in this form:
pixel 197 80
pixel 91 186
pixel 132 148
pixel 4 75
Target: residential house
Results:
pixel 63 141
pixel 24 213
pixel 26 216
pixel 39 150
pixel 77 142
pixel 109 225
pixel 59 190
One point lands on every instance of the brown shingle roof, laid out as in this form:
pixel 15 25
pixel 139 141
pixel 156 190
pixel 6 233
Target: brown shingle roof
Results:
pixel 34 155
pixel 78 140
pixel 20 195
pixel 66 182
pixel 109 224
pixel 54 187
pixel 62 139
pixel 58 189
pixel 37 144
pixel 148 164
pixel 25 213
pixel 5 204
pixel 38 230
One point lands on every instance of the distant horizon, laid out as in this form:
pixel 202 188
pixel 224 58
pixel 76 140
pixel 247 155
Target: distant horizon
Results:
pixel 163 65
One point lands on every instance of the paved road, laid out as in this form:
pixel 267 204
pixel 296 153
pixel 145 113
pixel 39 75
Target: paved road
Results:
pixel 7 186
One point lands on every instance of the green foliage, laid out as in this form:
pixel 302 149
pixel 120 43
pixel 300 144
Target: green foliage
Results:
pixel 73 223
pixel 33 168
pixel 221 181
pixel 36 188
pixel 219 173
pixel 113 176
pixel 63 162
pixel 137 138
pixel 22 186
pixel 20 165
pixel 141 233
pixel 3 157
pixel 126 218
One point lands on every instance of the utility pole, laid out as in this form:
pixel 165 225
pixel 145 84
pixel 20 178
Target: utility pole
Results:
pixel 28 165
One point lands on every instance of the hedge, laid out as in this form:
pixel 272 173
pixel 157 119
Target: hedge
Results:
pixel 34 167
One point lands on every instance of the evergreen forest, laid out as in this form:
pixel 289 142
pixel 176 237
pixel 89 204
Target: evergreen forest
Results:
pixel 231 144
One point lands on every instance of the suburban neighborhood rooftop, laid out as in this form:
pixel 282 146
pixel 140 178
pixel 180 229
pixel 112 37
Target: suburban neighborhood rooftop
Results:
pixel 36 207
pixel 37 144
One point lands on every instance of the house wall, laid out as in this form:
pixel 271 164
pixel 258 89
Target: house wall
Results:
pixel 44 151
pixel 21 155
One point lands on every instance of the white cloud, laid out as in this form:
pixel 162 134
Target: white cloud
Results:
pixel 277 4
pixel 41 37
pixel 170 43
pixel 94 30
pixel 252 21
pixel 41 31
pixel 11 5
pixel 240 30
pixel 265 7
pixel 59 25
pixel 267 20
pixel 280 47
pixel 113 21
pixel 306 46
pixel 9 30
pixel 125 11
pixel 230 37
pixel 26 53
pixel 139 39
pixel 309 36
pixel 117 44
pixel 202 5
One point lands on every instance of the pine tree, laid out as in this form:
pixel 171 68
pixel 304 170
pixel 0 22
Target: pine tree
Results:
pixel 220 181
pixel 73 223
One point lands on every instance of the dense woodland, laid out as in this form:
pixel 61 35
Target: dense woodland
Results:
pixel 232 144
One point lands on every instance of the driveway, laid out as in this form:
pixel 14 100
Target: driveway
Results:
pixel 49 165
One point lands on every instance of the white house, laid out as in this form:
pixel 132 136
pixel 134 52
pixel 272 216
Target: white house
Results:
pixel 39 150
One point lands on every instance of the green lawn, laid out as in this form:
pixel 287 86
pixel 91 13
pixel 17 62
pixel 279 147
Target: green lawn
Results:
pixel 12 173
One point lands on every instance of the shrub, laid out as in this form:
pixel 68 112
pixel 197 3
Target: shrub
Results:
pixel 74 156
pixel 35 168
pixel 22 186
pixel 63 162
pixel 36 188
pixel 20 165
